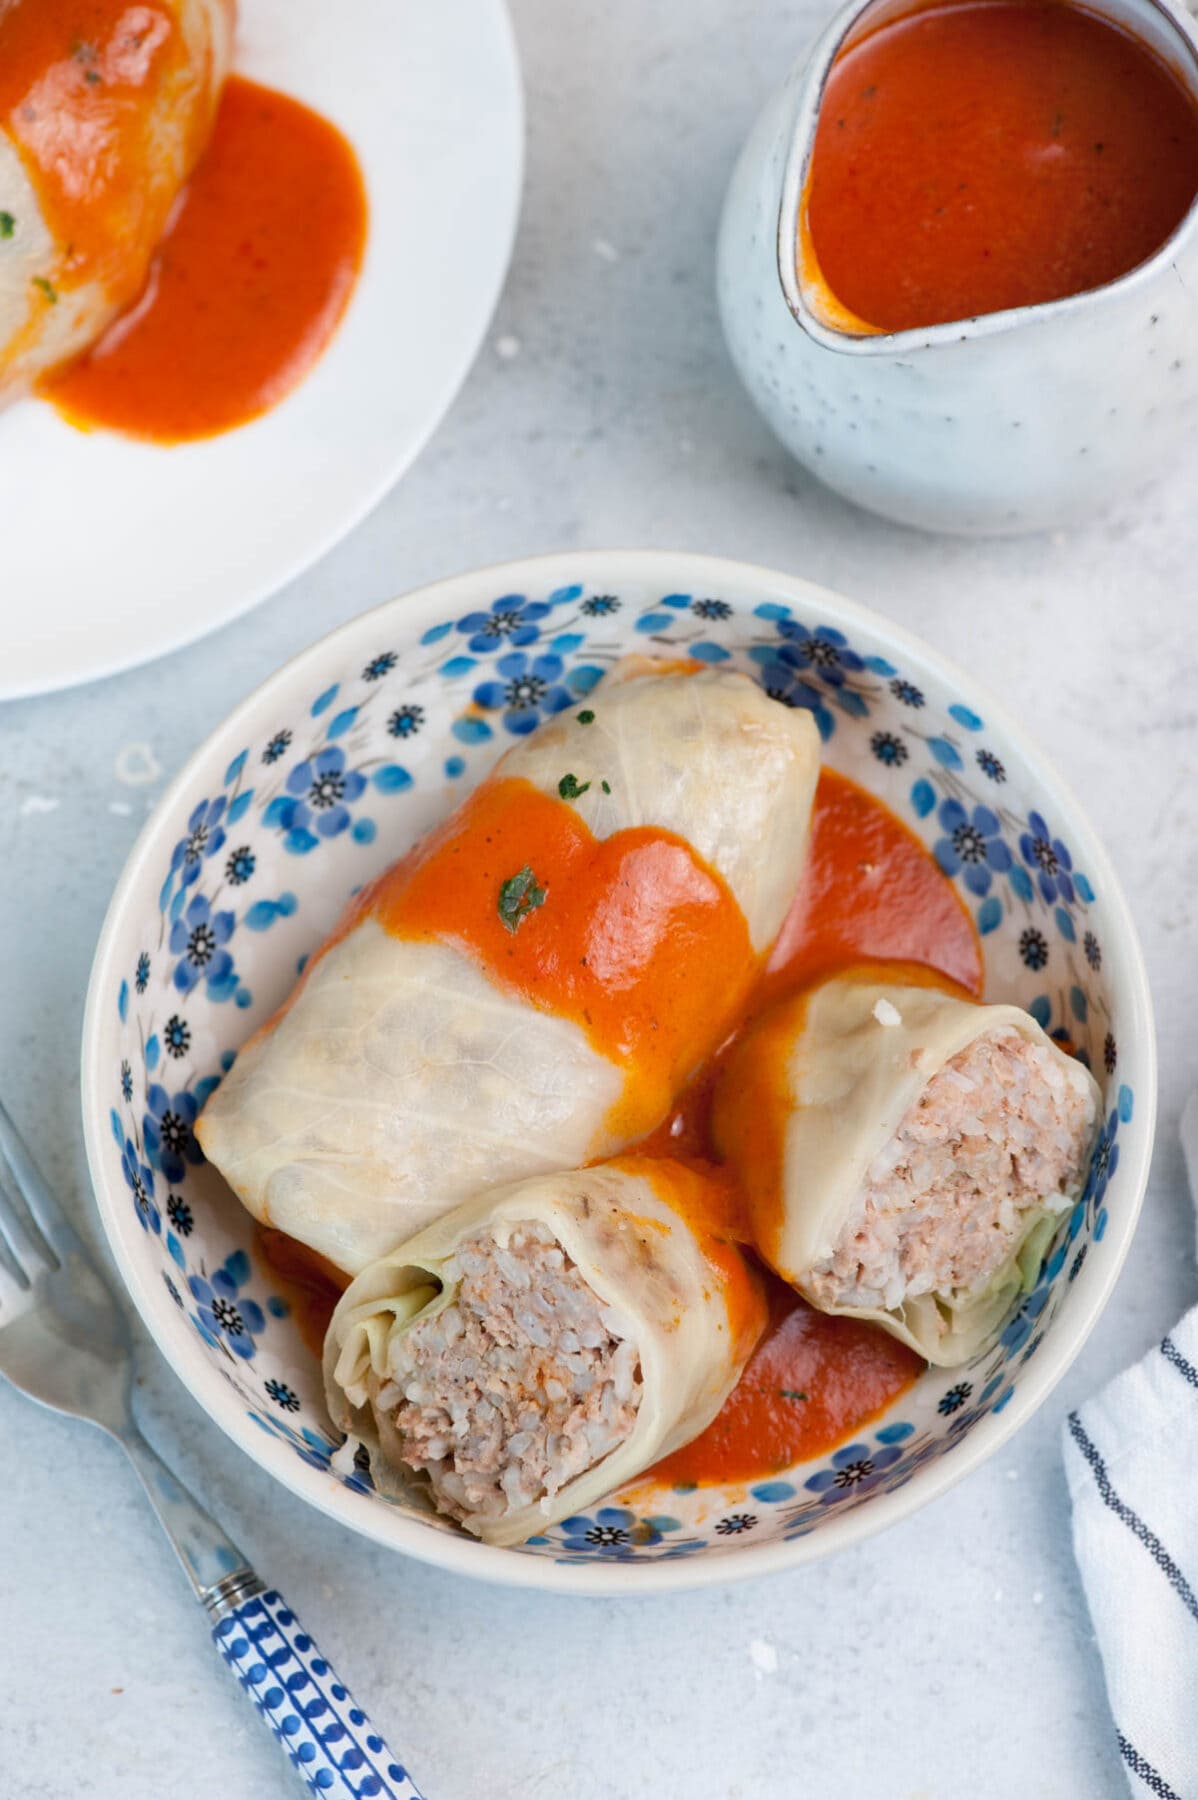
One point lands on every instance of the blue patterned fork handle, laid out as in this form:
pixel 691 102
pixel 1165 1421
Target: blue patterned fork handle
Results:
pixel 328 1738
pixel 65 1343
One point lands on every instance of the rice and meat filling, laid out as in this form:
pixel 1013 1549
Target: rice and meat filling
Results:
pixel 524 1381
pixel 1001 1133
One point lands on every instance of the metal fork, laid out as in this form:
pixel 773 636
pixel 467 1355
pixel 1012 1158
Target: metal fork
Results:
pixel 65 1342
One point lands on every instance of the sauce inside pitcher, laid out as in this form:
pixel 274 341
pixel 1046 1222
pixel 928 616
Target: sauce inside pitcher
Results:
pixel 989 154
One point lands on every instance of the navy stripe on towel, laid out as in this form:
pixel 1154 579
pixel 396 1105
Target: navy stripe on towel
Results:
pixel 1139 1765
pixel 1172 1354
pixel 1135 1525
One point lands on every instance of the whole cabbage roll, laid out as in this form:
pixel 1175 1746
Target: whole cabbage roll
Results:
pixel 97 136
pixel 531 986
pixel 905 1152
pixel 541 1345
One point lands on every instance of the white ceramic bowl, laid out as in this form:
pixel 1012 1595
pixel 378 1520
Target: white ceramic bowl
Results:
pixel 333 766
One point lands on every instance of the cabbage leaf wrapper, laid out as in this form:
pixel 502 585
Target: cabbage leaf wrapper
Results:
pixel 543 1344
pixel 530 987
pixel 906 1152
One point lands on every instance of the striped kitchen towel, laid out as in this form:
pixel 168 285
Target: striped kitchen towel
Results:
pixel 1131 1455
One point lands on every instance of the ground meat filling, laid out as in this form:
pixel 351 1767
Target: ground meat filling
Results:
pixel 521 1384
pixel 1000 1132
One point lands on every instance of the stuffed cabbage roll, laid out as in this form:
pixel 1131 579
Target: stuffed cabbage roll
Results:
pixel 543 1344
pixel 906 1152
pixel 531 986
pixel 104 112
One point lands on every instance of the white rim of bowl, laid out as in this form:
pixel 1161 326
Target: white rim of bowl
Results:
pixel 397 1530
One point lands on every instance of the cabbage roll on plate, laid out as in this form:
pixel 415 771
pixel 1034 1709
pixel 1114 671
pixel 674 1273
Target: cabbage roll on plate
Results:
pixel 530 987
pixel 906 1152
pixel 544 1343
pixel 104 112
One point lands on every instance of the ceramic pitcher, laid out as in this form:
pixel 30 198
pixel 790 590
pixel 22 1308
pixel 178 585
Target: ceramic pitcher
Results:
pixel 1012 421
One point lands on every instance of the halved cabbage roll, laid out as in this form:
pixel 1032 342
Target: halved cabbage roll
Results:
pixel 104 112
pixel 543 1344
pixel 906 1152
pixel 531 986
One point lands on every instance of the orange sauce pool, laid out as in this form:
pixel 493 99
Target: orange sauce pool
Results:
pixel 809 1384
pixel 249 282
pixel 988 154
pixel 870 891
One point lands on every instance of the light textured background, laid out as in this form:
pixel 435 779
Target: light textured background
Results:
pixel 951 1656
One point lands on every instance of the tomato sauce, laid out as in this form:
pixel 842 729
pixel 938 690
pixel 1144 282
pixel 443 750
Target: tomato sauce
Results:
pixel 249 282
pixel 811 1382
pixel 632 937
pixel 870 891
pixel 991 154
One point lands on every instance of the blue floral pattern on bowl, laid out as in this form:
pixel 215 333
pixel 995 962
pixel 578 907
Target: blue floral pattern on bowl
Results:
pixel 328 791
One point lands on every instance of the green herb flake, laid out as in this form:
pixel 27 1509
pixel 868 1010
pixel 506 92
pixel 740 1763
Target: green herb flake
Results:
pixel 587 717
pixel 606 786
pixel 92 77
pixel 7 224
pixel 519 895
pixel 47 288
pixel 791 1394
pixel 570 788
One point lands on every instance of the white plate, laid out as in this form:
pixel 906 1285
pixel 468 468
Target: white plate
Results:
pixel 115 551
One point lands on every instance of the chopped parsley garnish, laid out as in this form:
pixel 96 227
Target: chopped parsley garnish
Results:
pixel 586 717
pixel 7 224
pixel 92 77
pixel 606 786
pixel 570 788
pixel 47 288
pixel 791 1394
pixel 519 895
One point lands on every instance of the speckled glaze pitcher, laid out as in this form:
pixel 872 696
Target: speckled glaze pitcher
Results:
pixel 1013 421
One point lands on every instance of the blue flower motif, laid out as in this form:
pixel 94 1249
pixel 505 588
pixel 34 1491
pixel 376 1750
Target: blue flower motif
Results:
pixel 1016 1334
pixel 406 721
pixel 320 792
pixel 1048 859
pixel 205 837
pixel 224 1314
pixel 380 665
pixel 825 651
pixel 141 978
pixel 600 606
pixel 176 1035
pixel 240 866
pixel 277 747
pixel 512 620
pixel 1103 1162
pixel 126 1081
pixel 783 682
pixel 612 1532
pixel 531 686
pixel 854 1469
pixel 170 1141
pixel 972 842
pixel 198 938
pixel 140 1180
pixel 318 1453
pixel 889 749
